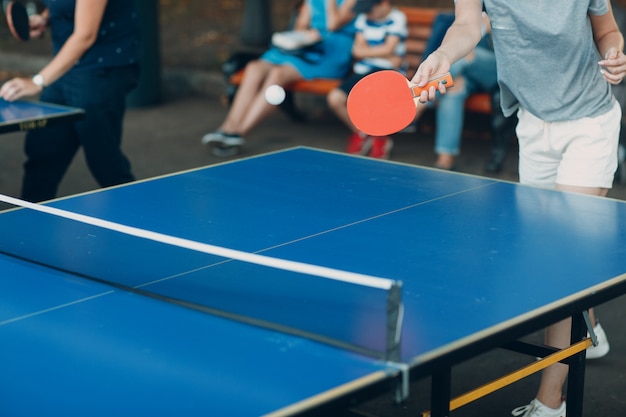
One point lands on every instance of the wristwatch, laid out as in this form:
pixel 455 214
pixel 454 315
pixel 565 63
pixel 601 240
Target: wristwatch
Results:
pixel 39 80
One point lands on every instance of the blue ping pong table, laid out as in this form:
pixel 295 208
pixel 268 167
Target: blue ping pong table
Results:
pixel 95 322
pixel 27 115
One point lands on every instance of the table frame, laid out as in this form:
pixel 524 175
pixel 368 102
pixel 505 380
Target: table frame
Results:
pixel 41 120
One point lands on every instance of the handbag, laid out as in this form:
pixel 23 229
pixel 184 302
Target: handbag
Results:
pixel 294 40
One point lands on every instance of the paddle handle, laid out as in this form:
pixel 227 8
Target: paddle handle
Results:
pixel 445 79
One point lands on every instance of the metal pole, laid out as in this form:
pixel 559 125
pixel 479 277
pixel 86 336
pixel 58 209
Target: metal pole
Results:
pixel 256 30
pixel 148 90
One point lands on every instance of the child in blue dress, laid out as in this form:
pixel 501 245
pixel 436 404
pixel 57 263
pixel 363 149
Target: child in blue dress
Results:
pixel 331 21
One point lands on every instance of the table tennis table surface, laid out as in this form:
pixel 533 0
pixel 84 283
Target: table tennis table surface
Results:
pixel 28 115
pixel 481 261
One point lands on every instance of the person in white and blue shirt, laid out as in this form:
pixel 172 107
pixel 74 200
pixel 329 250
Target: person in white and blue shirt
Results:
pixel 379 44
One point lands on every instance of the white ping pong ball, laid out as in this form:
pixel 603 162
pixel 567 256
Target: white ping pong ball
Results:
pixel 275 94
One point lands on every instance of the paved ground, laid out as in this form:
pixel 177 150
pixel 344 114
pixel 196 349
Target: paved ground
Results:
pixel 165 138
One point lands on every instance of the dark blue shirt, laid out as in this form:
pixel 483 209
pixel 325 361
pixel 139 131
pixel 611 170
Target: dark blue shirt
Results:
pixel 117 43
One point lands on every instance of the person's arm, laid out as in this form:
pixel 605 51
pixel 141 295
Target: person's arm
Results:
pixel 303 19
pixel 610 44
pixel 361 49
pixel 339 16
pixel 87 17
pixel 460 40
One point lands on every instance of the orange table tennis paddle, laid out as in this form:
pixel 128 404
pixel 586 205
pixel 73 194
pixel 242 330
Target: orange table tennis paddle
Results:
pixel 385 102
pixel 17 20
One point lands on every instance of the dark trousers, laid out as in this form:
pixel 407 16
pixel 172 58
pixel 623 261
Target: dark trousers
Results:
pixel 50 151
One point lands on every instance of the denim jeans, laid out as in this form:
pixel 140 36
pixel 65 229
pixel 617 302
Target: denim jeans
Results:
pixel 50 151
pixel 480 76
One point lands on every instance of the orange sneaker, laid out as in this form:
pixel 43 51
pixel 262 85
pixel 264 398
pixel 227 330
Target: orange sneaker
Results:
pixel 381 146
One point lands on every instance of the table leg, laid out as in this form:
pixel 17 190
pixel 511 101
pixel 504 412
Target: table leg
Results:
pixel 576 376
pixel 441 391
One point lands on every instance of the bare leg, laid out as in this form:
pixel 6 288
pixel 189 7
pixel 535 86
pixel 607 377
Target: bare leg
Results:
pixel 551 387
pixel 258 107
pixel 558 335
pixel 600 192
pixel 337 100
pixel 255 75
pixel 592 317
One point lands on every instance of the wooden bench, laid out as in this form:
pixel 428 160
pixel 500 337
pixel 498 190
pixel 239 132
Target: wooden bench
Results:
pixel 419 20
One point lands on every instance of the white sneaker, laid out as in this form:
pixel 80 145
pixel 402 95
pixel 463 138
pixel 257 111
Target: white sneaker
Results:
pixel 223 144
pixel 217 136
pixel 222 138
pixel 602 348
pixel 537 409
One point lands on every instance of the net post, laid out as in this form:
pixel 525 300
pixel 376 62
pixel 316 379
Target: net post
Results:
pixel 402 382
pixel 394 321
pixel 592 333
pixel 395 315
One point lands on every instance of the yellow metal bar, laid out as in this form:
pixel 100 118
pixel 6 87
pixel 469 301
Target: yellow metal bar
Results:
pixel 515 376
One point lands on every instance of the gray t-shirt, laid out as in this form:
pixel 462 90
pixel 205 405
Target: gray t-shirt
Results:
pixel 546 57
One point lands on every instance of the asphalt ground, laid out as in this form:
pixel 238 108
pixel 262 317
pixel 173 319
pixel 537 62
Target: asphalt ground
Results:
pixel 165 138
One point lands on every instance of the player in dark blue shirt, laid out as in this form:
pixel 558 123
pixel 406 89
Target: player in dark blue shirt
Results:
pixel 95 66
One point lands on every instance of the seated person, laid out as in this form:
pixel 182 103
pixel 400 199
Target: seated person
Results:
pixel 379 44
pixel 332 22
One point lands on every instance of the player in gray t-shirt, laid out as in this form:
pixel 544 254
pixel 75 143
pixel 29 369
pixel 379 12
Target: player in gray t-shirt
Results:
pixel 556 62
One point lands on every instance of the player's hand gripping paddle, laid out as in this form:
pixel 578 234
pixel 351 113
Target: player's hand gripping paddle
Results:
pixel 384 102
pixel 17 20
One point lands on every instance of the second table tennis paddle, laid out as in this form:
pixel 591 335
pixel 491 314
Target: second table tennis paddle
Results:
pixel 17 20
pixel 384 102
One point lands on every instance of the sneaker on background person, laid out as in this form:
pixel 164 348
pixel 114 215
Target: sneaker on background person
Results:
pixel 223 144
pixel 537 409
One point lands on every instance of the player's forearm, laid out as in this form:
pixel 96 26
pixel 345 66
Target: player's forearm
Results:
pixel 610 40
pixel 465 33
pixel 87 19
pixel 72 51
pixel 459 41
pixel 606 33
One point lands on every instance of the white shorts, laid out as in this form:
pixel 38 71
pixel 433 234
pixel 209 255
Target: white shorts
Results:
pixel 580 153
